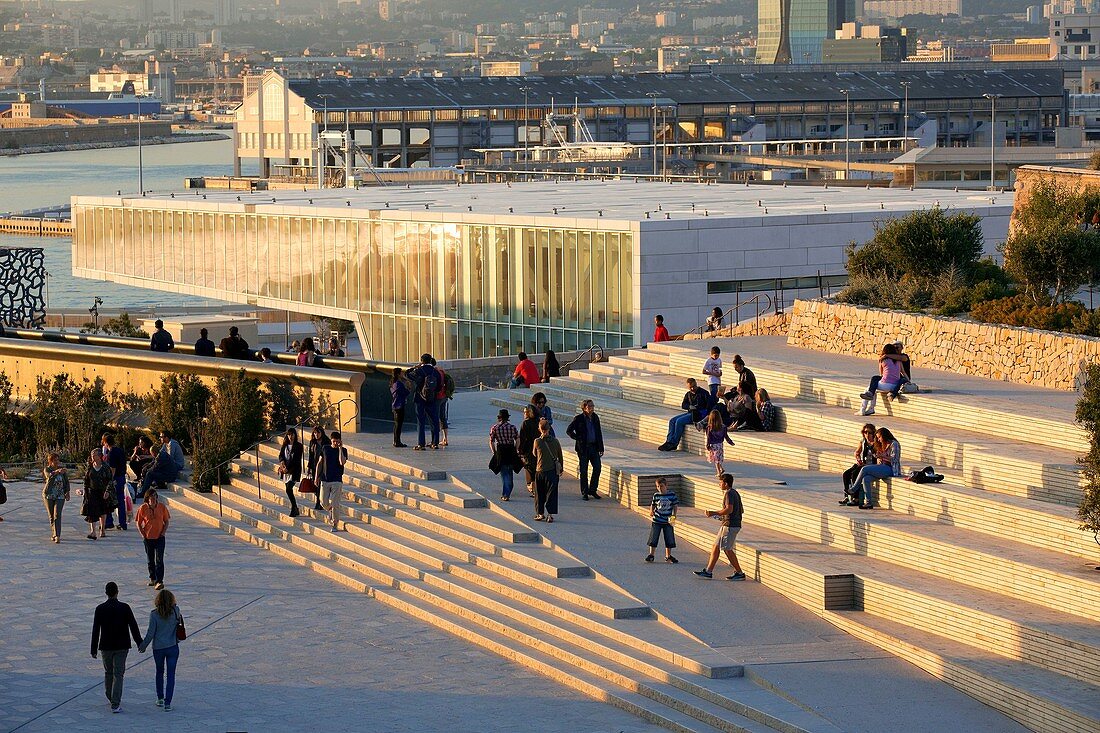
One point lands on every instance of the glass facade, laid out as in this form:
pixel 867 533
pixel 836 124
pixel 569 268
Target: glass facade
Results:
pixel 792 31
pixel 452 289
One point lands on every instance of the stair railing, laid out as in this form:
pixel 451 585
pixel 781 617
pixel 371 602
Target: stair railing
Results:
pixel 734 310
pixel 256 447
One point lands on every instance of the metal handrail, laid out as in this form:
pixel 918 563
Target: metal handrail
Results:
pixel 595 349
pixel 735 308
pixel 256 446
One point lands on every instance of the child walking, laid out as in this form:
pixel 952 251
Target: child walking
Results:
pixel 717 436
pixel 661 513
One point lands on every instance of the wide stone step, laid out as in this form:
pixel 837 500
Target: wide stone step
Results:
pixel 1041 700
pixel 444 601
pixel 1010 517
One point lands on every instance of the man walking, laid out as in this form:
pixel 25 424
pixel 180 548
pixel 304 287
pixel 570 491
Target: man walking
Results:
pixel 113 619
pixel 726 540
pixel 161 340
pixel 330 468
pixel 426 398
pixel 585 430
pixel 115 457
pixel 152 521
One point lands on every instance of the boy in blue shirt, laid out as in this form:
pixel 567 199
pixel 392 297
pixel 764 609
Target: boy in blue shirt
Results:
pixel 661 512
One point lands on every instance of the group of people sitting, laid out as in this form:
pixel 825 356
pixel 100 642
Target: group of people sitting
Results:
pixel 234 346
pixel 878 456
pixel 527 372
pixel 742 407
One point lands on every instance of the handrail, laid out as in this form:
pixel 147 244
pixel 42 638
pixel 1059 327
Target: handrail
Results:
pixel 595 349
pixel 256 446
pixel 737 306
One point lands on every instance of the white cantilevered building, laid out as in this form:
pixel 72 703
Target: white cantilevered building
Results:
pixel 488 269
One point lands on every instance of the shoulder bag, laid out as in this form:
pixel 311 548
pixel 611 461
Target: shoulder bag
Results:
pixel 307 486
pixel 181 630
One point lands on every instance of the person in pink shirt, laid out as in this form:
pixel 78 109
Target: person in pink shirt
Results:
pixel 888 380
pixel 526 373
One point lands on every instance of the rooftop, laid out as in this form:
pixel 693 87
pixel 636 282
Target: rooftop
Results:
pixel 612 201
pixel 752 85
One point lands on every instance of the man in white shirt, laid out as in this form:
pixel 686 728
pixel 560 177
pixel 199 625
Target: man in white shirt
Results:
pixel 712 367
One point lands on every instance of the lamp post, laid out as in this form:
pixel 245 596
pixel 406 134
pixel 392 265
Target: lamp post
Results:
pixel 141 170
pixel 322 157
pixel 526 127
pixel 847 134
pixel 653 96
pixel 992 138
pixel 905 117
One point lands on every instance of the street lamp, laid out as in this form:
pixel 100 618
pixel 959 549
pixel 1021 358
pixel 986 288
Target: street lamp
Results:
pixel 847 134
pixel 141 171
pixel 905 117
pixel 322 156
pixel 992 138
pixel 526 127
pixel 653 96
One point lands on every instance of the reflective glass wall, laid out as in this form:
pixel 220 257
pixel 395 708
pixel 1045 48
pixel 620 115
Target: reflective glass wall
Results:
pixel 452 289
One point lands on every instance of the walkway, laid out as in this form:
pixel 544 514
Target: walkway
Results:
pixel 272 647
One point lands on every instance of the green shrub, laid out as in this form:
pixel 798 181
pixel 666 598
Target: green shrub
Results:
pixel 922 244
pixel 68 417
pixel 181 401
pixel 1088 416
pixel 1021 310
pixel 17 437
pixel 234 422
pixel 121 326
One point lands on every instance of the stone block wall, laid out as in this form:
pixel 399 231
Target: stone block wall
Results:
pixel 1020 355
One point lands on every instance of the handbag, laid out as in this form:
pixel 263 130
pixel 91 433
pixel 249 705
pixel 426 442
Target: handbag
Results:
pixel 307 486
pixel 181 630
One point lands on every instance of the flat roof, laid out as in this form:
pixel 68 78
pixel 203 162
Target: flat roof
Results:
pixel 611 203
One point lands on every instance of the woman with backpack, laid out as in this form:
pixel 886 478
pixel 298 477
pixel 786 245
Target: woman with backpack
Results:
pixel 99 494
pixel 55 493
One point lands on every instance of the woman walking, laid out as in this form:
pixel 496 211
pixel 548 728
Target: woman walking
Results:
pixel 528 431
pixel 164 619
pixel 399 392
pixel 888 465
pixel 317 441
pixel 55 493
pixel 290 466
pixel 99 494
pixel 548 468
pixel 505 461
pixel 717 436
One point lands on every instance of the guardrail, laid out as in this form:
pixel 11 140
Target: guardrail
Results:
pixel 734 310
pixel 256 447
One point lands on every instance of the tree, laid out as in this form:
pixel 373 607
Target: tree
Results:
pixel 235 422
pixel 1051 249
pixel 922 244
pixel 68 417
pixel 1088 416
pixel 179 404
pixel 121 326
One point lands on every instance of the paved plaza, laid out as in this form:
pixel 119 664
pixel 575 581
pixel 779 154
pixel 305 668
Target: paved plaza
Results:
pixel 271 647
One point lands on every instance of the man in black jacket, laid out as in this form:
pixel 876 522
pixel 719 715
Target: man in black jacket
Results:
pixel 585 429
pixel 235 347
pixel 204 346
pixel 697 404
pixel 112 620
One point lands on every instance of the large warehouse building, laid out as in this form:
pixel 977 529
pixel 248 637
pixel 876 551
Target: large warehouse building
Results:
pixel 483 270
pixel 411 122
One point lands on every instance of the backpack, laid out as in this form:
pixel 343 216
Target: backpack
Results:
pixel 926 475
pixel 448 386
pixel 429 384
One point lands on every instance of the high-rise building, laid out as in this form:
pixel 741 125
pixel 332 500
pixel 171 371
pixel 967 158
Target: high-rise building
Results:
pixel 791 31
pixel 225 12
pixel 175 11
pixel 148 8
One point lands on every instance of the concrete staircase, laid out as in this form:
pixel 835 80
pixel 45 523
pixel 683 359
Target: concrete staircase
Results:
pixel 984 580
pixel 428 545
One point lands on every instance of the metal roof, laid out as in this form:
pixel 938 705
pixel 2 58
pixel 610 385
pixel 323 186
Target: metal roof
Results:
pixel 752 85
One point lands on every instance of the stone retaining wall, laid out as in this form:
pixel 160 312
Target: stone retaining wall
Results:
pixel 1020 355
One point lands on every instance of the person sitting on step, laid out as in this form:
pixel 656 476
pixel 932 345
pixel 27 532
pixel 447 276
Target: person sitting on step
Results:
pixel 888 380
pixel 887 465
pixel 865 456
pixel 696 404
